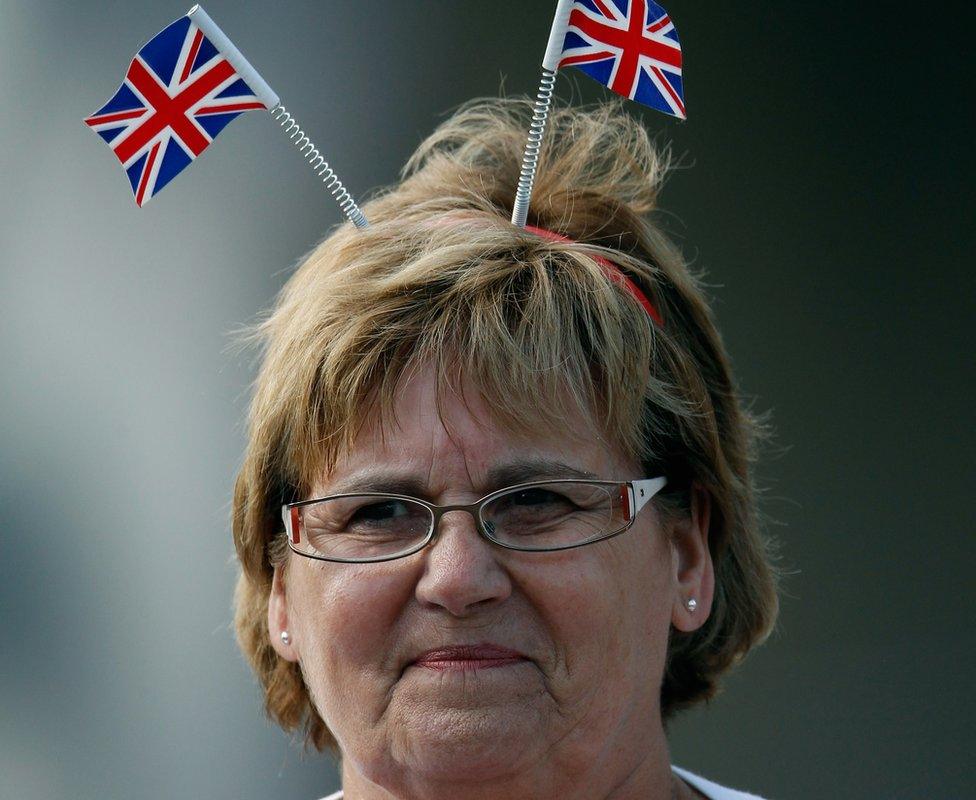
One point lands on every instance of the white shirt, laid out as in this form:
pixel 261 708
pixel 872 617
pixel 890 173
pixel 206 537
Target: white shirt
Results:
pixel 711 790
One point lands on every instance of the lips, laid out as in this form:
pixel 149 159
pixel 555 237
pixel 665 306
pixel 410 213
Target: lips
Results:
pixel 469 657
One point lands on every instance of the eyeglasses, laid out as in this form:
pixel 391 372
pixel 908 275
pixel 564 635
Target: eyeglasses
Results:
pixel 531 517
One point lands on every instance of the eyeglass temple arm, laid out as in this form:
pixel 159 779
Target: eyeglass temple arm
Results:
pixel 643 491
pixel 292 527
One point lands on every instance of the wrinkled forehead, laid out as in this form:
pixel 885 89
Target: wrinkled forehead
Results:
pixel 439 436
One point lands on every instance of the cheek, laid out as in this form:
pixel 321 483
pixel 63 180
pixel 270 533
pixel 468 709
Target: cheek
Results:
pixel 346 618
pixel 607 609
pixel 645 585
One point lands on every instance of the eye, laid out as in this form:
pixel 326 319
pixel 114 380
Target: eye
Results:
pixel 381 513
pixel 556 514
pixel 365 526
pixel 536 496
pixel 530 506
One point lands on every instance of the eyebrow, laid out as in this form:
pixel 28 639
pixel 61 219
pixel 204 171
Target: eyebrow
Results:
pixel 396 481
pixel 532 469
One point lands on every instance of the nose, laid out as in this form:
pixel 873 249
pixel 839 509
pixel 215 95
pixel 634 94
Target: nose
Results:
pixel 462 573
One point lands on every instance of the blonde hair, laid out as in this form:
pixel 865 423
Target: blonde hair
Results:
pixel 441 276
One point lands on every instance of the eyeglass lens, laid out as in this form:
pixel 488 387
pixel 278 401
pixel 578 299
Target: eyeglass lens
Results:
pixel 541 516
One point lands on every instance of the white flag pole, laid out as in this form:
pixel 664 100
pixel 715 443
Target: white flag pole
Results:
pixel 540 112
pixel 266 95
pixel 240 64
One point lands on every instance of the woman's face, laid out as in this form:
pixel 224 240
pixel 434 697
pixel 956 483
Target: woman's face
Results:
pixel 591 624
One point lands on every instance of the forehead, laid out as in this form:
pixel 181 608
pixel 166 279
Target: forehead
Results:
pixel 449 435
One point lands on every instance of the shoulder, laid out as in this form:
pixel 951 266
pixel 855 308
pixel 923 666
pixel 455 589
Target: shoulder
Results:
pixel 710 789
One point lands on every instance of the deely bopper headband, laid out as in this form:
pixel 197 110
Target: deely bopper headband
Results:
pixel 189 81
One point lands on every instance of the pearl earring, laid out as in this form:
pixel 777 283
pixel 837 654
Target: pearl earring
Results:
pixel 692 604
pixel 285 637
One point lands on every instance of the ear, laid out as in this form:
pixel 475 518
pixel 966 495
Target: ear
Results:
pixel 278 617
pixel 692 572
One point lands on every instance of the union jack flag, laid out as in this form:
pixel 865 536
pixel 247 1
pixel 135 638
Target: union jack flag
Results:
pixel 179 92
pixel 631 47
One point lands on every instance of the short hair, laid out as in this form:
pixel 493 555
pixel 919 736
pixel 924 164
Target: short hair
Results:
pixel 441 276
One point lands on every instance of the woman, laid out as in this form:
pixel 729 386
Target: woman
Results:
pixel 496 519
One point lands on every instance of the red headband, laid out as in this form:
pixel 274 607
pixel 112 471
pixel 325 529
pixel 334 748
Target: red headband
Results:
pixel 611 270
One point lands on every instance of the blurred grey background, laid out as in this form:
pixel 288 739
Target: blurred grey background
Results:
pixel 826 197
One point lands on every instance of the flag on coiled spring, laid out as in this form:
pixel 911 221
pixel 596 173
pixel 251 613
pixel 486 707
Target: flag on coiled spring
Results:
pixel 178 94
pixel 631 47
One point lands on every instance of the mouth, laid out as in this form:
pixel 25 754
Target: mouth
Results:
pixel 469 658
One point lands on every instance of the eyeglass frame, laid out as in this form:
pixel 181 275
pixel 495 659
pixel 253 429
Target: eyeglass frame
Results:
pixel 640 493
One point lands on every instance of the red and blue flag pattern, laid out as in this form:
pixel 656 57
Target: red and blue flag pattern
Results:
pixel 631 47
pixel 178 94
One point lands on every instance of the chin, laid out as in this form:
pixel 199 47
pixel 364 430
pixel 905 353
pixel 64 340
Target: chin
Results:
pixel 466 745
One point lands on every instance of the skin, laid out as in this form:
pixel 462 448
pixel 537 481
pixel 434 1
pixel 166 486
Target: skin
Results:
pixel 580 718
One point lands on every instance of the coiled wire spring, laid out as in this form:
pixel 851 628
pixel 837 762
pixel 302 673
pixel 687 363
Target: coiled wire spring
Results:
pixel 319 165
pixel 530 160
